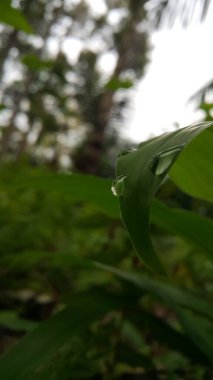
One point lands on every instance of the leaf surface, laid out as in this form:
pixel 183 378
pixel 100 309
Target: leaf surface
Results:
pixel 96 191
pixel 193 227
pixel 138 176
pixel 193 171
pixel 194 313
pixel 38 348
pixel 77 187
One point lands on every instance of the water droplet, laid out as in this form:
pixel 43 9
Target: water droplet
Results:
pixel 118 186
pixel 162 161
pixel 126 151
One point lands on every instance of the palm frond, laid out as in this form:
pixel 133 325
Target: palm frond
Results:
pixel 202 93
pixel 167 12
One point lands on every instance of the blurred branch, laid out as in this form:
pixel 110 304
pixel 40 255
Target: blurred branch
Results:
pixel 131 49
pixel 200 95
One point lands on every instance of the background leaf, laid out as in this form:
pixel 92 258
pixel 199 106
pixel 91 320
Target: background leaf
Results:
pixel 196 228
pixel 13 17
pixel 197 326
pixel 35 63
pixel 193 171
pixel 10 320
pixel 95 190
pixel 38 347
pixel 77 187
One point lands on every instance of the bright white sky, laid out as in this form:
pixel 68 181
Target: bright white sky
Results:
pixel 181 63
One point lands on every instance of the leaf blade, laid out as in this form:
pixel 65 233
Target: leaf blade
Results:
pixel 191 226
pixel 193 171
pixel 144 170
pixel 36 348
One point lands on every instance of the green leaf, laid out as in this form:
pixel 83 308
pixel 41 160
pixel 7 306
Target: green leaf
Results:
pixel 77 187
pixel 13 17
pixel 194 313
pixel 200 331
pixel 170 294
pixel 37 348
pixel 193 171
pixel 139 174
pixel 2 107
pixel 35 63
pixel 196 228
pixel 168 335
pixel 95 190
pixel 115 84
pixel 10 320
pixel 130 358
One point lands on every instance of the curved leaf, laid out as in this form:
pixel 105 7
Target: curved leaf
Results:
pixel 139 174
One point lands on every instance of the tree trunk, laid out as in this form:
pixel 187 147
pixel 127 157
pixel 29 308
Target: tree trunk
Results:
pixel 88 159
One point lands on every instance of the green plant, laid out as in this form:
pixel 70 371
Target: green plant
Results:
pixel 120 317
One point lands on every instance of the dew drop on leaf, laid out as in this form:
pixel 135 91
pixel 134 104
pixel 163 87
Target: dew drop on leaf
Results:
pixel 164 160
pixel 118 186
pixel 127 151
